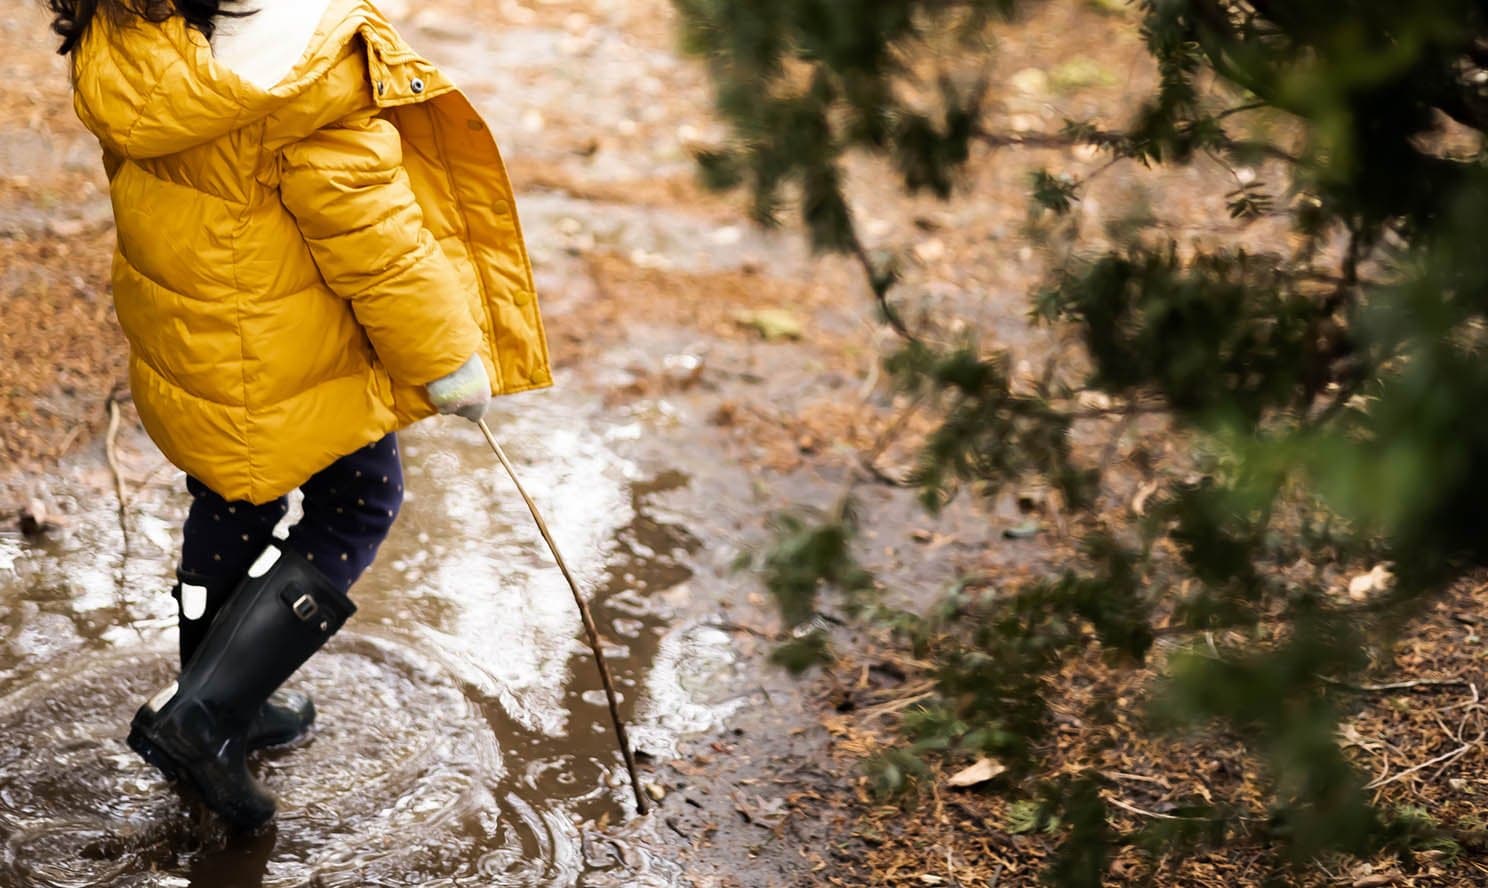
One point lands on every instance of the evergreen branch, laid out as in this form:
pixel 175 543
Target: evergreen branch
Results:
pixel 1043 140
pixel 881 284
pixel 1263 148
pixel 1241 109
pixel 1122 142
pixel 869 459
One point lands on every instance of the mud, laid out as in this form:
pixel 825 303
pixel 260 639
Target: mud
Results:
pixel 463 738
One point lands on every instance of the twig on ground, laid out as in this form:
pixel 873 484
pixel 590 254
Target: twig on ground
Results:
pixel 892 706
pixel 1445 757
pixel 1119 776
pixel 1467 704
pixel 111 451
pixel 1394 685
pixel 731 626
pixel 895 694
pixel 67 441
pixel 1142 812
pixel 1436 775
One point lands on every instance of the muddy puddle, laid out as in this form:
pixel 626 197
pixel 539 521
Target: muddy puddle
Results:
pixel 463 737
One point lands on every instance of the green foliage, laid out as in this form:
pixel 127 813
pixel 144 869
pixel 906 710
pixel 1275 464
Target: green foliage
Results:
pixel 805 81
pixel 990 435
pixel 894 771
pixel 1027 816
pixel 805 560
pixel 1084 855
pixel 1329 397
pixel 1057 194
pixel 1410 828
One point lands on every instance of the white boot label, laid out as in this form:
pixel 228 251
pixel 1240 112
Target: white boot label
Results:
pixel 193 602
pixel 268 559
pixel 158 701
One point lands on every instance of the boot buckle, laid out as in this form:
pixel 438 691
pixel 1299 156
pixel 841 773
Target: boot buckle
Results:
pixel 305 608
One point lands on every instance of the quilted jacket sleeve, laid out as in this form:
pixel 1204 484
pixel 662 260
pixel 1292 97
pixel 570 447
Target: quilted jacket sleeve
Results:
pixel 346 186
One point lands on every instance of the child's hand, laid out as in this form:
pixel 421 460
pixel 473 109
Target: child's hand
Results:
pixel 466 392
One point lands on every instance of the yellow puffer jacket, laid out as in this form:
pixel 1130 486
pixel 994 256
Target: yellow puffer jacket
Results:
pixel 294 265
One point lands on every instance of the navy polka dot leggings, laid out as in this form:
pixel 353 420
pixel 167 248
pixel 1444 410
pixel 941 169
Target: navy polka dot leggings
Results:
pixel 349 509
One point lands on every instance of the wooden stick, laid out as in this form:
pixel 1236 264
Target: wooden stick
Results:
pixel 111 451
pixel 589 627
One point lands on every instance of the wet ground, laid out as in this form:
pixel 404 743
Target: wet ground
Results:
pixel 463 736
pixel 464 740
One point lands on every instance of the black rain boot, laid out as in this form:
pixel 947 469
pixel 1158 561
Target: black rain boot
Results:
pixel 196 730
pixel 289 714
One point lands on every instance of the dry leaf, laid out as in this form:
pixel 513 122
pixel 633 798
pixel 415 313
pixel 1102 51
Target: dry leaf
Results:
pixel 981 772
pixel 1139 502
pixel 773 324
pixel 1377 580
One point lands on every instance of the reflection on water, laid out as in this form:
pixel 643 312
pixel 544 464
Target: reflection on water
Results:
pixel 463 739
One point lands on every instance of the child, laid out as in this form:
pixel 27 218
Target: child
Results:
pixel 317 246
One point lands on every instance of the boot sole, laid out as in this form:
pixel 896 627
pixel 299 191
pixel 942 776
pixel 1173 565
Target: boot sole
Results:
pixel 156 755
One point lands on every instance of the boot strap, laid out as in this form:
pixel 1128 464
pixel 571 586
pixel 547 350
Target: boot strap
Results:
pixel 308 595
pixel 314 610
pixel 305 607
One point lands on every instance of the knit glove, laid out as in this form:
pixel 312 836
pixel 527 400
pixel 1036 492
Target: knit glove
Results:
pixel 466 392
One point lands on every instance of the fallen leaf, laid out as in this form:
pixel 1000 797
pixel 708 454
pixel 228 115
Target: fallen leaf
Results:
pixel 1139 502
pixel 1080 73
pixel 984 770
pixel 1030 81
pixel 1377 580
pixel 1025 531
pixel 932 250
pixel 772 323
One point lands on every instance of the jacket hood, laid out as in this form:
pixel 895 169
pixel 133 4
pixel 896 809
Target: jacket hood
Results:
pixel 149 89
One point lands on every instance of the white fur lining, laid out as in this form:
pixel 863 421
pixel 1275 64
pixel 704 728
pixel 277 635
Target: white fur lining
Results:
pixel 264 47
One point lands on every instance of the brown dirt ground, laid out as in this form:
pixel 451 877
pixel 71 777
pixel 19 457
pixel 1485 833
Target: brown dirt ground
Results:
pixel 60 352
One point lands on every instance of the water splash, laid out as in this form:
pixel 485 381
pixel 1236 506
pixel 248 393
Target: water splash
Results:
pixel 460 740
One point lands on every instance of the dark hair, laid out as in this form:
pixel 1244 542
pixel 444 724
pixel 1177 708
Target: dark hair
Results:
pixel 74 16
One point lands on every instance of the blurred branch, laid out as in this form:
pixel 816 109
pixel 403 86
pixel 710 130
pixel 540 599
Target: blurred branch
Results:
pixel 869 460
pixel 1120 142
pixel 1040 140
pixel 882 283
pixel 1241 109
